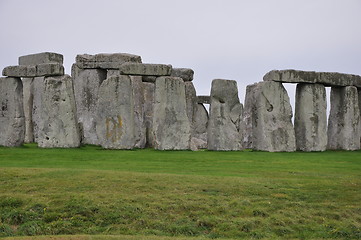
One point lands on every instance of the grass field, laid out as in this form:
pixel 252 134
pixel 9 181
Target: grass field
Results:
pixel 157 195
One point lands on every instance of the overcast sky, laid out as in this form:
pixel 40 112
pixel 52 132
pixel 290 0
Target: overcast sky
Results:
pixel 230 39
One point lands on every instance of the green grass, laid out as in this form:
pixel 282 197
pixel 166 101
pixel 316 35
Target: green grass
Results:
pixel 179 193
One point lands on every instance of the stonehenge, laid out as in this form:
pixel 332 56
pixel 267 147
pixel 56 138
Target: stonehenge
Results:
pixel 118 102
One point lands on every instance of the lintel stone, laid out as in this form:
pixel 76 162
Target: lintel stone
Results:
pixel 325 78
pixel 40 70
pixel 38 58
pixel 185 73
pixel 143 69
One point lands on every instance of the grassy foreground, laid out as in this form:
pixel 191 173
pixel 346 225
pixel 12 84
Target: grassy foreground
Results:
pixel 179 193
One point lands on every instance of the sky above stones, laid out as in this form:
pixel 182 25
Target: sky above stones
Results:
pixel 229 39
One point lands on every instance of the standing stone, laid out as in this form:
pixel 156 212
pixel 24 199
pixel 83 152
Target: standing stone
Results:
pixel 310 117
pixel 38 88
pixel 224 116
pixel 115 120
pixel 138 95
pixel 171 125
pixel 344 120
pixel 12 121
pixel 86 87
pixel 200 124
pixel 191 100
pixel 59 127
pixel 267 117
pixel 28 108
pixel 149 98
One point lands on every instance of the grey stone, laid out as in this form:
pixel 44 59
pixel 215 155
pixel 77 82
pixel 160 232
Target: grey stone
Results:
pixel 171 125
pixel 105 61
pixel 310 117
pixel 291 76
pixel 185 73
pixel 191 100
pixel 138 94
pixel 200 124
pixel 145 69
pixel 38 88
pixel 344 120
pixel 325 78
pixel 223 128
pixel 49 69
pixel 59 127
pixel 40 70
pixel 38 58
pixel 149 98
pixel 86 87
pixel 20 71
pixel 112 72
pixel 267 118
pixel 204 99
pixel 28 108
pixel 115 120
pixel 12 121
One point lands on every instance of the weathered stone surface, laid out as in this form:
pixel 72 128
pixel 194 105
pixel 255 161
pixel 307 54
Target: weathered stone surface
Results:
pixel 12 121
pixel 185 73
pixel 191 100
pixel 149 98
pixel 344 120
pixel 59 127
pixel 115 120
pixel 145 69
pixel 171 125
pixel 38 88
pixel 291 76
pixel 40 70
pixel 200 124
pixel 49 69
pixel 204 99
pixel 224 116
pixel 20 71
pixel 28 108
pixel 325 78
pixel 310 117
pixel 105 61
pixel 138 94
pixel 267 117
pixel 38 58
pixel 86 87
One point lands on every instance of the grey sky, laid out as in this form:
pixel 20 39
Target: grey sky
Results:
pixel 240 40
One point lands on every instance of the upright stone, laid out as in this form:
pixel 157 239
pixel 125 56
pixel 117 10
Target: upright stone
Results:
pixel 86 87
pixel 59 127
pixel 310 117
pixel 38 87
pixel 138 95
pixel 267 117
pixel 224 116
pixel 12 121
pixel 344 120
pixel 199 128
pixel 28 108
pixel 115 120
pixel 149 95
pixel 191 100
pixel 171 125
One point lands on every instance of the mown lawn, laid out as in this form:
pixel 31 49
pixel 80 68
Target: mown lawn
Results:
pixel 90 191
